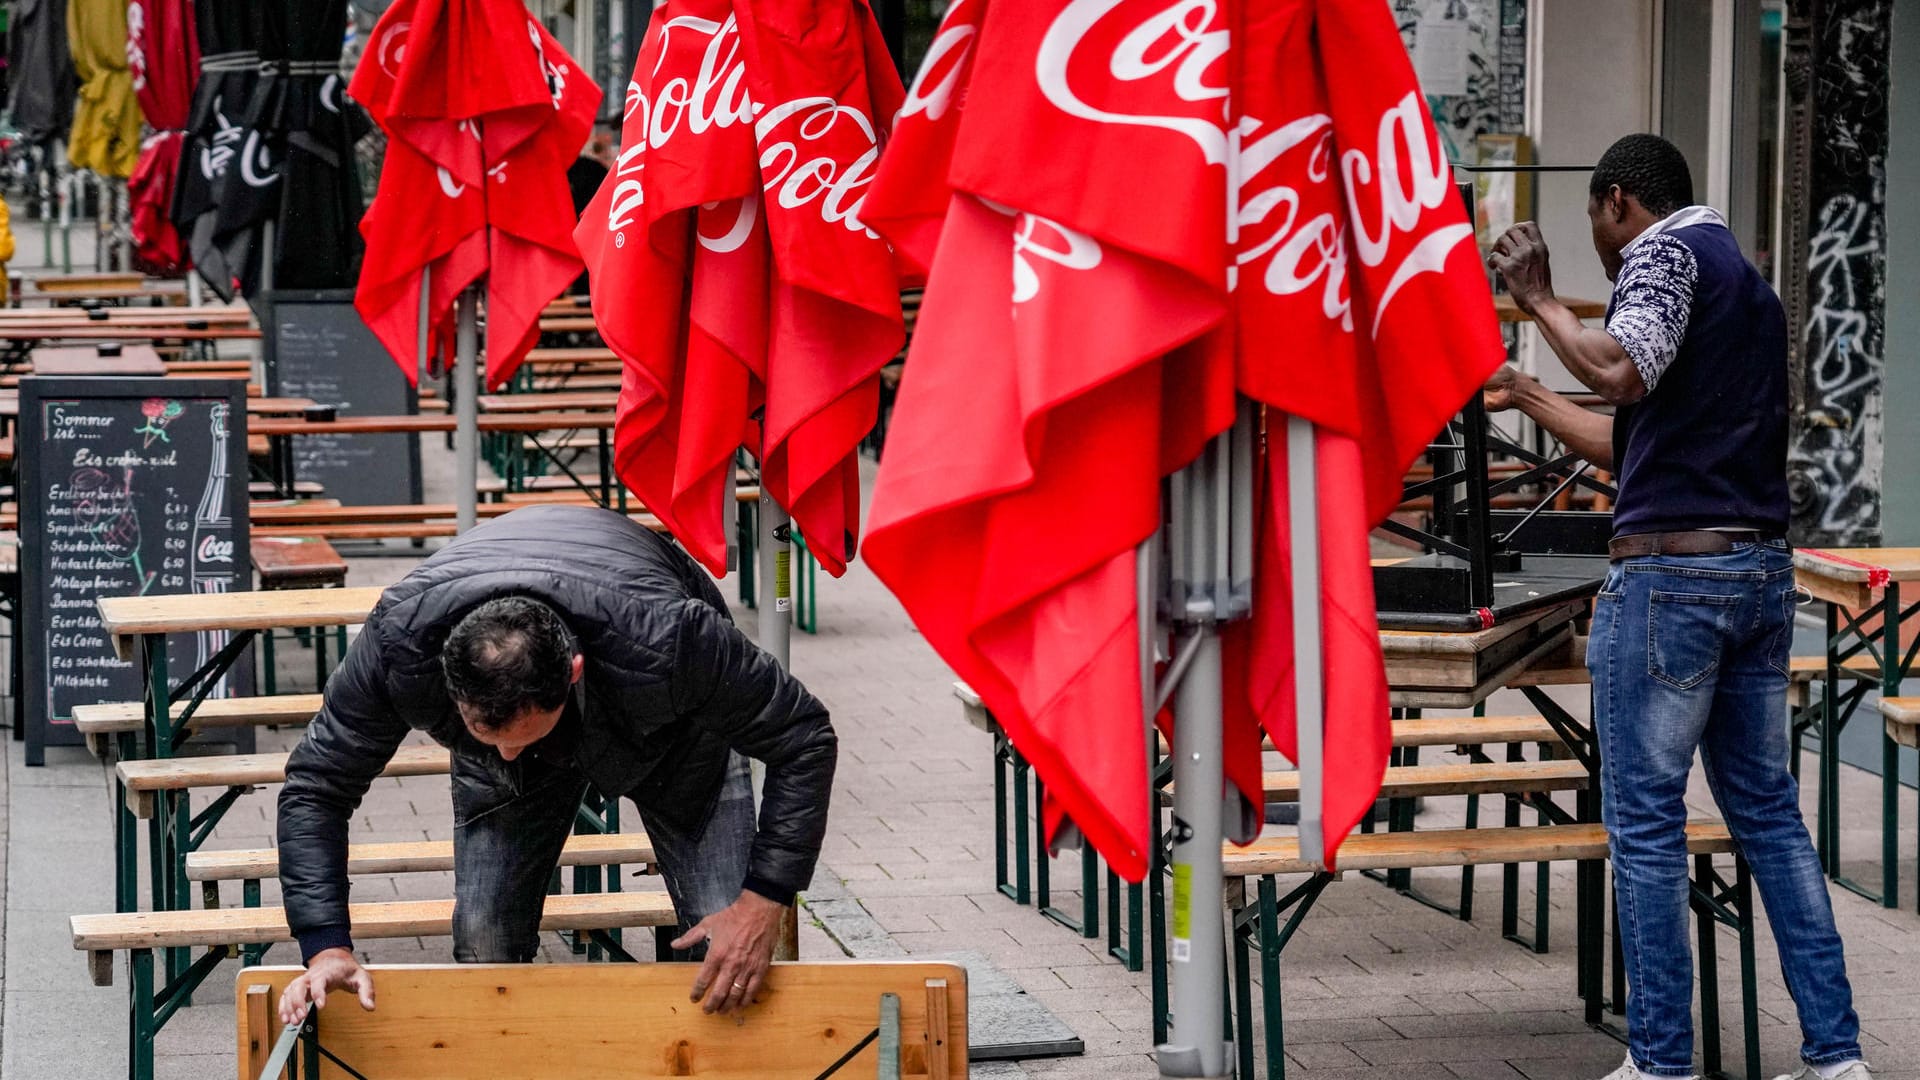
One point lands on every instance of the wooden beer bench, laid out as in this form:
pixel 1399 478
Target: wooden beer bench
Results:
pixel 1258 926
pixel 225 933
pixel 551 1022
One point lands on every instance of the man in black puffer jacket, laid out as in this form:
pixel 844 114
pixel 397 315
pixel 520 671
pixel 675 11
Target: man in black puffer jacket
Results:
pixel 552 648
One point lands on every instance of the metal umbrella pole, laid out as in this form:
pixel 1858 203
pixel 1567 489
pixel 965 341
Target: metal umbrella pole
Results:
pixel 775 557
pixel 1208 581
pixel 466 406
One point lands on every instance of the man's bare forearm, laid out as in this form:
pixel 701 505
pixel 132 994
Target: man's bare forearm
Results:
pixel 1589 354
pixel 1586 433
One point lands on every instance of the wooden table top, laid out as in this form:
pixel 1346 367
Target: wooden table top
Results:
pixel 1848 576
pixel 127 618
pixel 113 331
pixel 1414 643
pixel 1509 312
pixel 561 401
pixel 256 406
pixel 570 357
pixel 132 360
pixel 140 316
pixel 376 425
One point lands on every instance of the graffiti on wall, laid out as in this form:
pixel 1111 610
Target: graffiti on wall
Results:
pixel 1835 460
pixel 1489 93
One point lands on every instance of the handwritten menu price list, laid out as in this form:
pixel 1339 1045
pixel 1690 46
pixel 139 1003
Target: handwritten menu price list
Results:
pixel 125 491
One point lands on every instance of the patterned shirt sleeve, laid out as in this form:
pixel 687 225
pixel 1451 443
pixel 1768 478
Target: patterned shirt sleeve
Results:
pixel 1651 304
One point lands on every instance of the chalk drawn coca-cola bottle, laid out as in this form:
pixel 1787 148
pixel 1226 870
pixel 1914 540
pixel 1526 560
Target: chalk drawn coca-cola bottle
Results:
pixel 210 569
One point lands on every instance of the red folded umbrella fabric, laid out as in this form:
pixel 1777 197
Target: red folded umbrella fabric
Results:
pixel 484 111
pixel 1146 220
pixel 732 270
pixel 163 53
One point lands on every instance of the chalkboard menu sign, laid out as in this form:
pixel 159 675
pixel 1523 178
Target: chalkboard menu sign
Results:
pixel 128 487
pixel 317 347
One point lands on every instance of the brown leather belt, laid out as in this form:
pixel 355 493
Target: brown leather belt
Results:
pixel 1697 542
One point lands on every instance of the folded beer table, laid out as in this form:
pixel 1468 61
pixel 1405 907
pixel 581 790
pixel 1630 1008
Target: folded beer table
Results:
pixel 1861 590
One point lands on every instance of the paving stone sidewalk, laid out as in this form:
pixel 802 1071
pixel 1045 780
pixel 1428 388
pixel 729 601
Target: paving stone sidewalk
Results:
pixel 1377 985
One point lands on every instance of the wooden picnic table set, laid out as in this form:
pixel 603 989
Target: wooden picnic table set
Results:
pixel 1864 653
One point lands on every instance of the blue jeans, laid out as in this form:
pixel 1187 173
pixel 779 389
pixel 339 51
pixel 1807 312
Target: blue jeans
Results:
pixel 510 820
pixel 1693 651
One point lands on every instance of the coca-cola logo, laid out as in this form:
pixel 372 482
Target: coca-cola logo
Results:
pixel 1043 240
pixel 1098 56
pixel 1158 64
pixel 715 98
pixel 816 161
pixel 390 48
pixel 813 151
pixel 214 549
pixel 934 87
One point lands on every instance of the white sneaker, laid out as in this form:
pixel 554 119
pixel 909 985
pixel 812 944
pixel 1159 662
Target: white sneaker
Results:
pixel 1855 1070
pixel 1626 1071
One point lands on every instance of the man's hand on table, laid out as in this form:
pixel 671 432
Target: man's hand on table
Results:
pixel 330 969
pixel 1520 257
pixel 740 942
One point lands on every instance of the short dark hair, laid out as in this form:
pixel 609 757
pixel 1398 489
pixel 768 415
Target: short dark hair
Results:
pixel 1650 169
pixel 505 657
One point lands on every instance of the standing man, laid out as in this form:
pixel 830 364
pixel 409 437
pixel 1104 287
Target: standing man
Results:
pixel 551 648
pixel 1693 628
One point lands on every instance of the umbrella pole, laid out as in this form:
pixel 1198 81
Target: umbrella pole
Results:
pixel 1208 583
pixel 776 580
pixel 466 404
pixel 1303 515
pixel 425 338
pixel 775 611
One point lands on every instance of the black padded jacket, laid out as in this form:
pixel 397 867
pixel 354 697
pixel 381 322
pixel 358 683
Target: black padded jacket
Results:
pixel 670 685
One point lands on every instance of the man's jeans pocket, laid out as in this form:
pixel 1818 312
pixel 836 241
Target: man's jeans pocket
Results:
pixel 1684 635
pixel 1780 649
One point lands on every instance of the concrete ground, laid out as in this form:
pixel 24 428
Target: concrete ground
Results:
pixel 1376 985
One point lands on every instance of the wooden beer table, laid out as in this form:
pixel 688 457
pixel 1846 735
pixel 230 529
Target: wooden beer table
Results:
pixel 1861 590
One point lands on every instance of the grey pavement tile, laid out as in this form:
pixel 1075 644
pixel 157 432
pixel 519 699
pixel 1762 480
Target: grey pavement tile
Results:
pixel 74 1034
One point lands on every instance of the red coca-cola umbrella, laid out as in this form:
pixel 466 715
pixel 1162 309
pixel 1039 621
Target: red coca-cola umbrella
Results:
pixel 732 271
pixel 163 51
pixel 484 112
pixel 1145 224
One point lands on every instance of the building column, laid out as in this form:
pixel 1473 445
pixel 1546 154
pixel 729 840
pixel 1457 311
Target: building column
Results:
pixel 1837 86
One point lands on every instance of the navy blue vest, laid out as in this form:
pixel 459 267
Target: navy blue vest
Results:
pixel 1707 448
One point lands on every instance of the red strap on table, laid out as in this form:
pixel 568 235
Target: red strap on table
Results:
pixel 1878 577
pixel 1486 617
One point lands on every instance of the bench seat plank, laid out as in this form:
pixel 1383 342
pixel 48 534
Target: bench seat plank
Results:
pixel 1473 731
pixel 411 857
pixel 117 716
pixel 1455 847
pixel 1901 710
pixel 143 778
pixel 392 919
pixel 1415 781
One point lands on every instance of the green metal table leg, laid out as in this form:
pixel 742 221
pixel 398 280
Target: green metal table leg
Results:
pixel 1749 976
pixel 1709 962
pixel 1001 877
pixel 141 1027
pixel 1890 673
